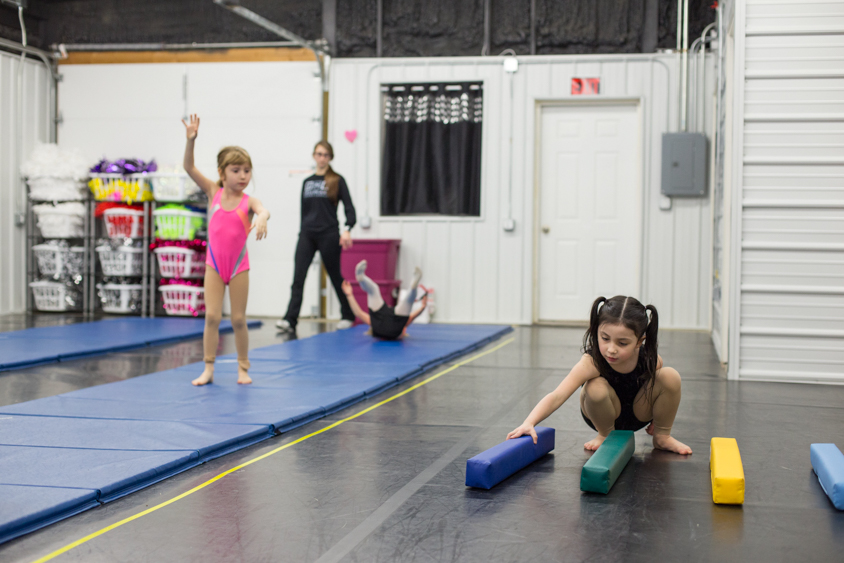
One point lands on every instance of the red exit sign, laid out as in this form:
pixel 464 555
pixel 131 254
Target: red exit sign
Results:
pixel 585 86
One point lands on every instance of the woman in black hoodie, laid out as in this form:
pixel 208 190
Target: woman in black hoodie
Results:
pixel 321 193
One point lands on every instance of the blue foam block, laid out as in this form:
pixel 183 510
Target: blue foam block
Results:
pixel 828 463
pixel 489 468
pixel 33 346
pixel 26 508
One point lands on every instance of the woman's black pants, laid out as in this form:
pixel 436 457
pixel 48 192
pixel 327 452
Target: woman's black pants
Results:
pixel 328 245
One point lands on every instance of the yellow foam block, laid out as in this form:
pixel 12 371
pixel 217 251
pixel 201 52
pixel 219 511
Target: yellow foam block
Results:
pixel 727 471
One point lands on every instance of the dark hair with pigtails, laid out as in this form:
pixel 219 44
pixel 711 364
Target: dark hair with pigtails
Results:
pixel 630 313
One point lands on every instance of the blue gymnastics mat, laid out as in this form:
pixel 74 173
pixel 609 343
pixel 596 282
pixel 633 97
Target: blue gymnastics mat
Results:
pixel 33 346
pixel 64 454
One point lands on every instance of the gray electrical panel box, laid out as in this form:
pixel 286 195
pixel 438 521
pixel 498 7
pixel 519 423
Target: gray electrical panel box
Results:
pixel 684 164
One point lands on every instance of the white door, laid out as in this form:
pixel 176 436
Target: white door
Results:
pixel 589 213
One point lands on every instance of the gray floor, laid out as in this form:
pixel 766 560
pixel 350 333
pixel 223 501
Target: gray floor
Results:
pixel 388 485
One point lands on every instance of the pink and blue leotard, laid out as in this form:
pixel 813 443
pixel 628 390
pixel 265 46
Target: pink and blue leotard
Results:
pixel 227 232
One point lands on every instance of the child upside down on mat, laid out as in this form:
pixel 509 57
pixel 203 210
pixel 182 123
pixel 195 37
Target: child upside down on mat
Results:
pixel 386 322
pixel 624 384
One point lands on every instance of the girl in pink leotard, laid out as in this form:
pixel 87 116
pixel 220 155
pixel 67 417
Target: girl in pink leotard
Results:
pixel 227 261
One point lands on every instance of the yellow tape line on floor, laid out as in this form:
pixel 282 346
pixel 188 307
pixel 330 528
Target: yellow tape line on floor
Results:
pixel 98 533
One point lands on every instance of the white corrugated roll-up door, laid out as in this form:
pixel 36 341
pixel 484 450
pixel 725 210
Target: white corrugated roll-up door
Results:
pixel 791 210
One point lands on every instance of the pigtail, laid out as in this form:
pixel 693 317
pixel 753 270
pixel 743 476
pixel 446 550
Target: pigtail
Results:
pixel 649 354
pixel 590 339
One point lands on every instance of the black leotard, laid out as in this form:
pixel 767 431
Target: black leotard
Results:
pixel 626 387
pixel 386 324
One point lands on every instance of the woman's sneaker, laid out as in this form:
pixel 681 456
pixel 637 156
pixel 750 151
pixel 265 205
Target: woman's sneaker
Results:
pixel 284 326
pixel 344 324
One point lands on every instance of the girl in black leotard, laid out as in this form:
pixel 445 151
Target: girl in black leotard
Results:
pixel 624 384
pixel 387 322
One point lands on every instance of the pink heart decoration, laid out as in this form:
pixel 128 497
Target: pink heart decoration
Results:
pixel 351 135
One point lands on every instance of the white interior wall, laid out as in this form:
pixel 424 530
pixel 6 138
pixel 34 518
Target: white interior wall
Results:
pixel 788 248
pixel 271 109
pixel 36 127
pixel 480 272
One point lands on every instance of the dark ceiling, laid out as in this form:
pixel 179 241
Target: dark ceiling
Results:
pixel 410 27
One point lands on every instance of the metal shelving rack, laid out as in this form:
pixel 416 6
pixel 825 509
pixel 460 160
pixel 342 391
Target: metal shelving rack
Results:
pixel 97 232
pixel 34 237
pixel 156 306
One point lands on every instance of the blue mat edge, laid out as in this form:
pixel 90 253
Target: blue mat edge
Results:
pixel 81 506
pixel 255 323
pixel 312 416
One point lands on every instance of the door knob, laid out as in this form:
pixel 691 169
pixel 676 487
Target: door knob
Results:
pixel 546 229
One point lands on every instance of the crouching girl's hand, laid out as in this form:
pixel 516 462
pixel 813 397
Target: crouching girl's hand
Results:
pixel 523 430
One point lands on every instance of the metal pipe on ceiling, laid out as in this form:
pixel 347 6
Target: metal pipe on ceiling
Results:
pixel 379 49
pixel 94 47
pixel 487 27
pixel 319 48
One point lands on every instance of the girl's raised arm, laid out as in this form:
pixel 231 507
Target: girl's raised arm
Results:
pixel 582 372
pixel 205 184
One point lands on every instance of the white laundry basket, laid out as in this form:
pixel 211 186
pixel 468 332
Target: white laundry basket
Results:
pixel 183 300
pixel 65 220
pixel 51 296
pixel 50 188
pixel 122 261
pixel 122 222
pixel 178 262
pixel 121 298
pixel 56 260
pixel 177 224
pixel 173 187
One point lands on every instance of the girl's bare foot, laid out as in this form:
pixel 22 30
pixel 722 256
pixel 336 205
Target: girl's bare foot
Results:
pixel 650 429
pixel 206 377
pixel 594 443
pixel 663 442
pixel 243 377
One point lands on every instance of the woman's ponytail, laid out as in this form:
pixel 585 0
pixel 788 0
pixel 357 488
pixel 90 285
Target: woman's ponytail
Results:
pixel 332 185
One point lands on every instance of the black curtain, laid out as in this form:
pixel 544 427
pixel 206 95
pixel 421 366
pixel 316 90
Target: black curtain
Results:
pixel 431 153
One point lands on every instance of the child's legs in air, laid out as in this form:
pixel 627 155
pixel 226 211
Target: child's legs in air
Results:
pixel 405 306
pixel 373 294
pixel 215 289
pixel 661 406
pixel 600 404
pixel 238 294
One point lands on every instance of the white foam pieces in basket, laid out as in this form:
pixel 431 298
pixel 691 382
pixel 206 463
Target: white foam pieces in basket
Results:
pixel 122 261
pixel 120 298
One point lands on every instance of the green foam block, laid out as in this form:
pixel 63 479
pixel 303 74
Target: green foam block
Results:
pixel 603 468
